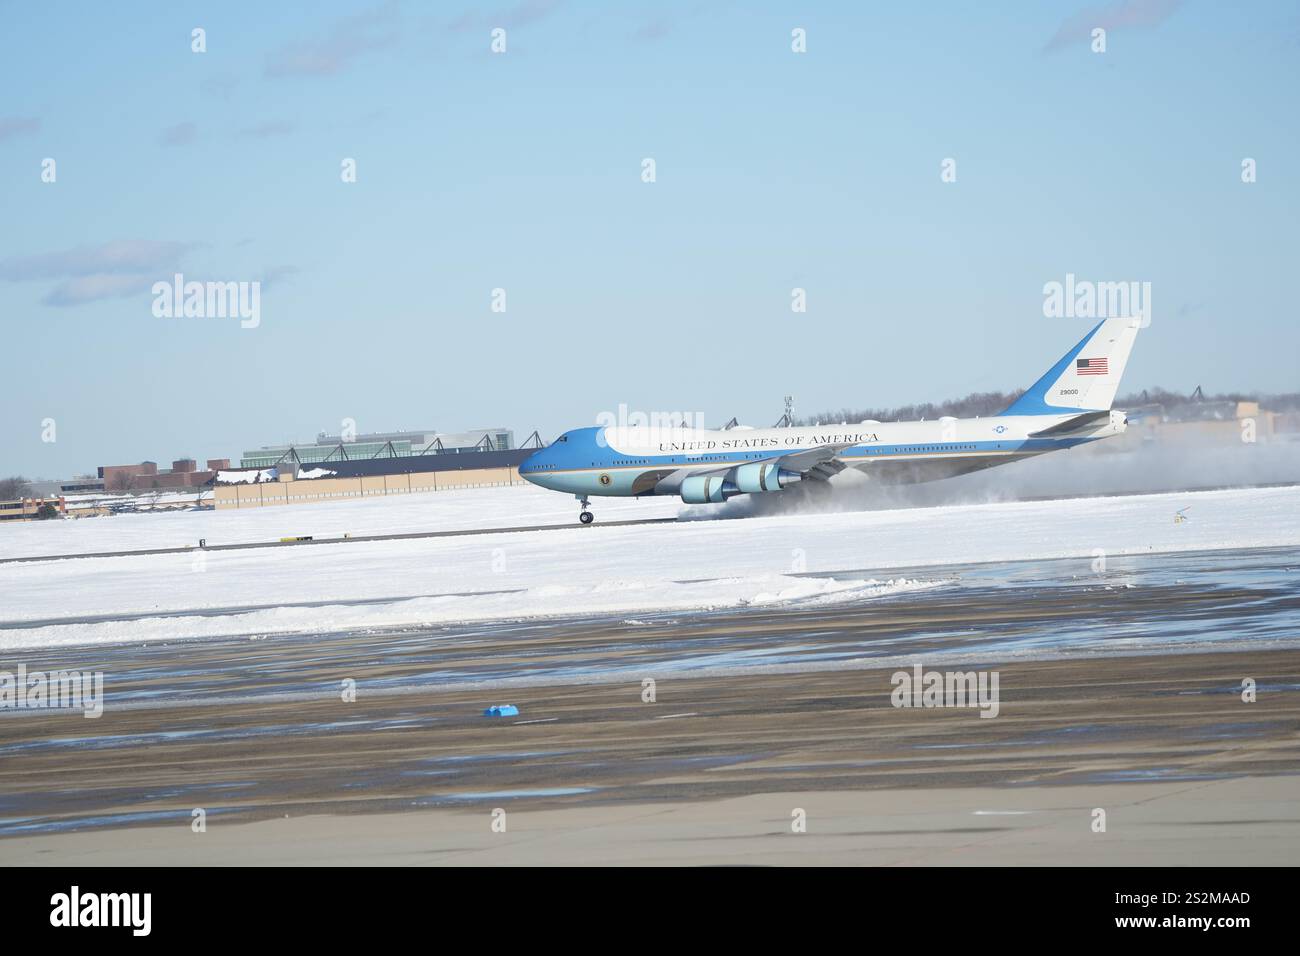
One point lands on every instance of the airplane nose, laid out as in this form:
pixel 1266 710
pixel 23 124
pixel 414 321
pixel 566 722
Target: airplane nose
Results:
pixel 533 464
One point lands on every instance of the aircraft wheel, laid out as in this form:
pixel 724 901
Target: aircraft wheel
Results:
pixel 586 517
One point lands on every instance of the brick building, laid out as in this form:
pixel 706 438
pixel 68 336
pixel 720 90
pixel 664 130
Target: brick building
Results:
pixel 145 476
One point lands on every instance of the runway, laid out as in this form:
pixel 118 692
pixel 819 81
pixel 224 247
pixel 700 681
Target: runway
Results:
pixel 1249 564
pixel 709 772
pixel 307 541
pixel 314 704
pixel 310 540
pixel 1241 821
pixel 750 706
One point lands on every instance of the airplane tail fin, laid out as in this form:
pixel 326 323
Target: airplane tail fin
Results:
pixel 1086 378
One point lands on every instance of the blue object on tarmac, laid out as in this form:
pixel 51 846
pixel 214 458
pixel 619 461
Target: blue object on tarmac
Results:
pixel 502 710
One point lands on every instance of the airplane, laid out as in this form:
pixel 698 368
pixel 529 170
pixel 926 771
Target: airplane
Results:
pixel 1070 405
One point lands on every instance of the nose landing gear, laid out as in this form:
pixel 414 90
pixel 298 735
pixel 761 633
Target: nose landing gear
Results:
pixel 586 517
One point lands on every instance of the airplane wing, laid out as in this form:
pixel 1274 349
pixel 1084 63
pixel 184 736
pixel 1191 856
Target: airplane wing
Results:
pixel 818 463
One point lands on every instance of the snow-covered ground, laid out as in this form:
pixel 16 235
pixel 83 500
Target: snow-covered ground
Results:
pixel 427 511
pixel 90 501
pixel 624 570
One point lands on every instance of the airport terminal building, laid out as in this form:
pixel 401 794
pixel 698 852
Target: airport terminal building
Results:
pixel 399 444
pixel 383 463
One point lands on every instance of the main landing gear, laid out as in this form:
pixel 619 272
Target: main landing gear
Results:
pixel 586 517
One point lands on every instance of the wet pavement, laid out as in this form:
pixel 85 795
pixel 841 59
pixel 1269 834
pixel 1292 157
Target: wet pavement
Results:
pixel 1103 680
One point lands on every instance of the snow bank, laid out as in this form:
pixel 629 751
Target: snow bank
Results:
pixel 604 570
pixel 547 601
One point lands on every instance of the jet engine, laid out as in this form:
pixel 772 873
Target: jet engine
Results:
pixel 763 476
pixel 702 489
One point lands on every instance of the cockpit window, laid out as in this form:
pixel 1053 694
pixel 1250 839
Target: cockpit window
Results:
pixel 560 439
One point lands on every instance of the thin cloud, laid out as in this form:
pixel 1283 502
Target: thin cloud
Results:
pixel 1123 15
pixel 522 14
pixel 182 134
pixel 89 273
pixel 347 41
pixel 130 255
pixel 276 275
pixel 11 126
pixel 267 130
pixel 94 288
pixel 220 84
pixel 656 29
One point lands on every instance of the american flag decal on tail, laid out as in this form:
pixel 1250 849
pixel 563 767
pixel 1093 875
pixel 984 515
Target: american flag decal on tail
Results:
pixel 1093 366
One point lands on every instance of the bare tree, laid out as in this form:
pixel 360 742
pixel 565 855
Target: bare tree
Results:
pixel 13 487
pixel 990 403
pixel 977 403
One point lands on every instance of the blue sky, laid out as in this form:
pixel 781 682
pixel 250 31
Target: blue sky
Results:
pixel 522 171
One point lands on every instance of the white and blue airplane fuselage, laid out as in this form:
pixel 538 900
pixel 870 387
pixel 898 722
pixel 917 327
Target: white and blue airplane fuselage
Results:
pixel 1070 405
